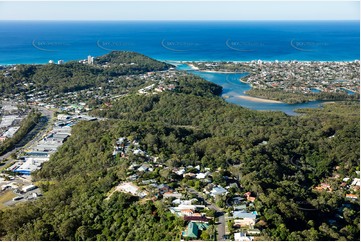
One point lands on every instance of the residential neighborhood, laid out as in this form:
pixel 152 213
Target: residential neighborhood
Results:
pixel 293 76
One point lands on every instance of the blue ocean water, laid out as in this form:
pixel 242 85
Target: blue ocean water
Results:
pixel 39 41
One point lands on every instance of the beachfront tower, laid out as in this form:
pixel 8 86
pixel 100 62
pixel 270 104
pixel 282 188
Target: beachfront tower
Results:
pixel 90 60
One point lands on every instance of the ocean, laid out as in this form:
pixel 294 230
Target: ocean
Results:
pixel 40 41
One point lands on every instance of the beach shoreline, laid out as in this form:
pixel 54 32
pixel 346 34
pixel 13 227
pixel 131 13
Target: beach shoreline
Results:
pixel 257 99
pixel 209 71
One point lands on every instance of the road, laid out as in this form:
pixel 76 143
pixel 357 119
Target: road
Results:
pixel 221 229
pixel 39 129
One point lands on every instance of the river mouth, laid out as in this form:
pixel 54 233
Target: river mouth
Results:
pixel 234 92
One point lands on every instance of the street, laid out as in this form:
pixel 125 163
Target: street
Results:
pixel 219 214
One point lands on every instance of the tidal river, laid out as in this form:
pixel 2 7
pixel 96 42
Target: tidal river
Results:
pixel 234 92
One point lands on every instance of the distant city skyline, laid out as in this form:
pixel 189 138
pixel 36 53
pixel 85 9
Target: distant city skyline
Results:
pixel 177 10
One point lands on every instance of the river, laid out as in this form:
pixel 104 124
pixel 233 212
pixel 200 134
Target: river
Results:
pixel 234 92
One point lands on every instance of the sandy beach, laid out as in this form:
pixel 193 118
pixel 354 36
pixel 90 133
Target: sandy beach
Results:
pixel 256 99
pixel 209 71
pixel 240 79
pixel 225 72
pixel 193 67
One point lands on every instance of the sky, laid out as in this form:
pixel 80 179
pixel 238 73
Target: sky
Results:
pixel 179 10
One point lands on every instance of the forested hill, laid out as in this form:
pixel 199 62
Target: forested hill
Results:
pixel 280 159
pixel 75 76
pixel 124 62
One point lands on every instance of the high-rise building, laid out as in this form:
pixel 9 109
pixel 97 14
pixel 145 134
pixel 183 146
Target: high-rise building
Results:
pixel 90 60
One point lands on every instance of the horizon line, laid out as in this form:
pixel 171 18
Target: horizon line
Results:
pixel 177 20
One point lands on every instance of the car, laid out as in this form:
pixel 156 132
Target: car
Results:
pixel 17 198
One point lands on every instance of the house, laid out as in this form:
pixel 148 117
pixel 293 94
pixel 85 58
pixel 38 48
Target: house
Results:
pixel 181 171
pixel 132 177
pixel 241 207
pixel 191 175
pixel 247 194
pixel 63 117
pixel 243 215
pixel 324 187
pixel 196 214
pixel 356 182
pixel 177 201
pixel 192 231
pixel 133 166
pixel 139 152
pixel 143 168
pixel 188 202
pixel 186 212
pixel 163 188
pixel 196 218
pixel 218 190
pixel 237 200
pixel 172 194
pixel 201 175
pixel 251 199
pixel 352 196
pixel 253 232
pixel 244 223
pixel 3 138
pixel 242 237
pixel 244 218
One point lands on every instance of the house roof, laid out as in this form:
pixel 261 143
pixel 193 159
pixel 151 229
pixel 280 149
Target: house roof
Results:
pixel 218 190
pixel 351 196
pixel 241 237
pixel 201 226
pixel 192 231
pixel 251 199
pixel 201 175
pixel 195 218
pixel 240 214
pixel 186 211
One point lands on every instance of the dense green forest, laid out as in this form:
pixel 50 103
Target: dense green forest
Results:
pixel 192 125
pixel 75 76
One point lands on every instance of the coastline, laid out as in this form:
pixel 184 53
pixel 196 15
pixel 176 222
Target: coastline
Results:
pixel 178 62
pixel 240 79
pixel 194 68
pixel 224 72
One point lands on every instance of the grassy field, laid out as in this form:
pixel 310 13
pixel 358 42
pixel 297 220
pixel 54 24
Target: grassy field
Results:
pixel 4 197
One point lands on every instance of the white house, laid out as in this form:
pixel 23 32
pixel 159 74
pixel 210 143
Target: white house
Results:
pixel 218 190
pixel 242 237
